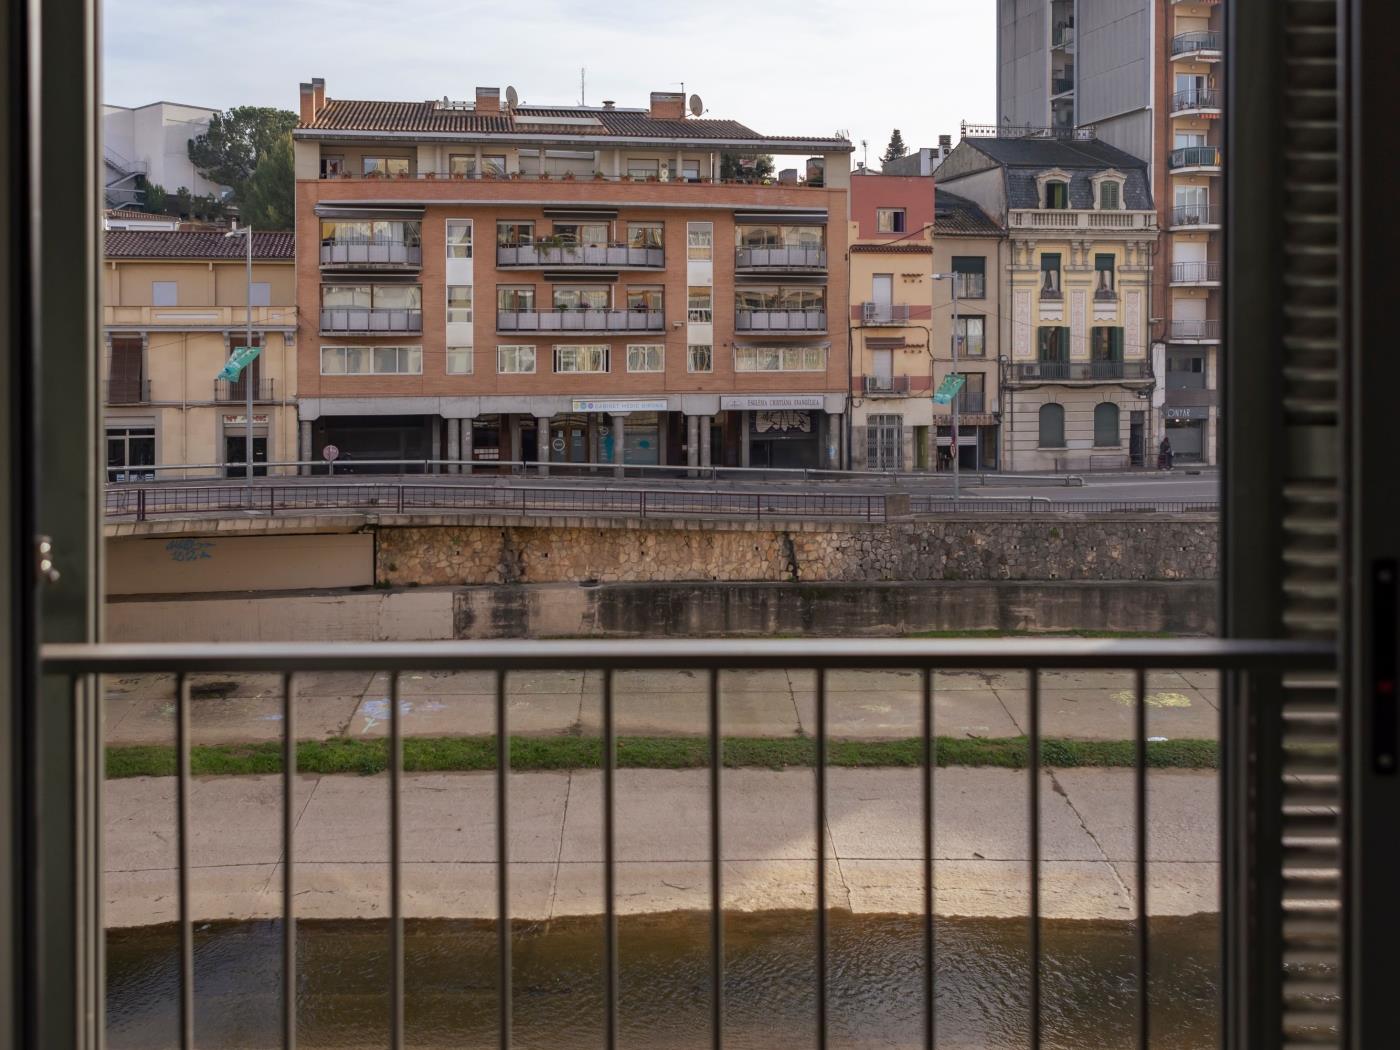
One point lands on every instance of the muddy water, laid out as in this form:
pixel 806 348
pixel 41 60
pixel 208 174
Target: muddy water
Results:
pixel 875 983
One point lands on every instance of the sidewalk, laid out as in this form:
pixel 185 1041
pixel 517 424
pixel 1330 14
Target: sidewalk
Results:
pixel 873 842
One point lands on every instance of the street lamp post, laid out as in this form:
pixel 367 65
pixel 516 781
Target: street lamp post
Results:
pixel 247 233
pixel 952 279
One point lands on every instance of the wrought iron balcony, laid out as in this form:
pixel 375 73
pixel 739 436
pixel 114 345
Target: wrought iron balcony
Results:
pixel 237 390
pixel 1197 99
pixel 370 253
pixel 580 320
pixel 1194 331
pixel 971 402
pixel 370 320
pixel 895 386
pixel 1061 85
pixel 883 313
pixel 580 256
pixel 1207 40
pixel 1210 157
pixel 1078 371
pixel 780 257
pixel 1199 272
pixel 1196 215
pixel 780 320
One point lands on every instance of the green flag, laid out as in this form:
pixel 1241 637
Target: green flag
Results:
pixel 951 384
pixel 242 357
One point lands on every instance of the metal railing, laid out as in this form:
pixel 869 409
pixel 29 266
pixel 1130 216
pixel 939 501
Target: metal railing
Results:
pixel 371 251
pixel 1078 371
pixel 126 391
pixel 1197 215
pixel 972 402
pixel 1195 157
pixel 1200 40
pixel 780 257
pixel 896 385
pixel 1197 98
pixel 779 320
pixel 941 504
pixel 1196 272
pixel 370 320
pixel 1062 35
pixel 593 177
pixel 884 313
pixel 1192 330
pixel 1080 219
pixel 606 256
pixel 237 390
pixel 1061 85
pixel 78 665
pixel 580 320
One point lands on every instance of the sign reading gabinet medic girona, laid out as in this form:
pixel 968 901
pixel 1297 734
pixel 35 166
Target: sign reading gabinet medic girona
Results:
pixel 619 405
pixel 771 403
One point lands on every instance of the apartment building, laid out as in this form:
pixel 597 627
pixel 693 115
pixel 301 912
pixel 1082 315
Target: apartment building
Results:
pixel 152 142
pixel 1146 76
pixel 489 281
pixel 1078 382
pixel 175 304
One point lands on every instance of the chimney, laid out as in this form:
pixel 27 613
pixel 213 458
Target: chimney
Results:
pixel 609 104
pixel 318 86
pixel 945 143
pixel 488 100
pixel 667 105
pixel 308 103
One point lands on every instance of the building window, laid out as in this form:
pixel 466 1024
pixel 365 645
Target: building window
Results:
pixel 645 235
pixel 129 450
pixel 646 299
pixel 493 165
pixel 798 298
pixel 971 333
pixel 889 220
pixel 386 166
pixel 459 238
pixel 165 293
pixel 1106 425
pixel 1057 194
pixel 1050 275
pixel 581 358
pixel 515 359
pixel 690 170
pixel 510 234
pixel 701 304
pixel 1106 343
pixel 1052 344
pixel 970 276
pixel 1110 195
pixel 582 297
pixel 646 357
pixel 884 442
pixel 700 240
pixel 459 304
pixel 583 234
pixel 780 359
pixel 753 235
pixel 332 166
pixel 972 397
pixel 461 360
pixel 461 165
pixel 641 169
pixel 260 294
pixel 515 298
pixel 699 358
pixel 1052 425
pixel 371 360
pixel 1104 285
pixel 126 379
pixel 371 297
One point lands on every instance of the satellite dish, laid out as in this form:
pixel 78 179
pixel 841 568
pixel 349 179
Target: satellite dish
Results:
pixel 512 97
pixel 696 106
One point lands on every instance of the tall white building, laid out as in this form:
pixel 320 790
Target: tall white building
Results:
pixel 153 141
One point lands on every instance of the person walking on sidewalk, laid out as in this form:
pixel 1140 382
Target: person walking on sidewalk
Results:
pixel 1164 454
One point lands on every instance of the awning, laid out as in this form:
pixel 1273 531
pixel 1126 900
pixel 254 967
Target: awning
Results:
pixel 788 218
pixel 377 211
pixel 581 214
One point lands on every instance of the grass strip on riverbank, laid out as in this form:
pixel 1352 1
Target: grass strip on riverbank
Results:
pixel 531 754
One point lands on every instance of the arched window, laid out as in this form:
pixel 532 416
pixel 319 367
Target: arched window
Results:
pixel 1106 425
pixel 1052 425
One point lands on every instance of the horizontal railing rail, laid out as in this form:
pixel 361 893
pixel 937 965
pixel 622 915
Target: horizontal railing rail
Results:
pixel 1196 215
pixel 937 504
pixel 1195 157
pixel 885 384
pixel 1193 329
pixel 607 256
pixel 780 257
pixel 1195 272
pixel 370 251
pixel 237 390
pixel 1078 371
pixel 884 313
pixel 1197 98
pixel 580 320
pixel 594 176
pixel 371 320
pixel 1200 40
pixel 779 320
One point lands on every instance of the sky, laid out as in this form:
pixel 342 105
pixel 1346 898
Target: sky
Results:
pixel 814 67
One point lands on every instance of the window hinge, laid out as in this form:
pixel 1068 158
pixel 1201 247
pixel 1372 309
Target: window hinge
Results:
pixel 43 560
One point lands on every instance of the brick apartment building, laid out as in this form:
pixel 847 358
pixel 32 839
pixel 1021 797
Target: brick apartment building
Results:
pixel 489 281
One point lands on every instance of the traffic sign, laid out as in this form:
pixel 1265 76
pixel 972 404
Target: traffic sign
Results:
pixel 241 358
pixel 330 453
pixel 952 383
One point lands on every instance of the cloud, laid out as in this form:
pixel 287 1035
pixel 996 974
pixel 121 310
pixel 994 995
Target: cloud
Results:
pixel 784 68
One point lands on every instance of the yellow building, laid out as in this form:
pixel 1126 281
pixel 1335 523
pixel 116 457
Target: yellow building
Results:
pixel 174 306
pixel 1078 382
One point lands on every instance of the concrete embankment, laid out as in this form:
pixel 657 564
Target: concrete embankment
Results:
pixel 873 843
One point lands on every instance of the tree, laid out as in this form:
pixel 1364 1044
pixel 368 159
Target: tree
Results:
pixel 228 152
pixel 153 197
pixel 733 168
pixel 267 202
pixel 896 148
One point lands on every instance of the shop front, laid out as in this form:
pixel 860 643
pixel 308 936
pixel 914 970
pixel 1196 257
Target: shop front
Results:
pixel 780 431
pixel 599 429
pixel 234 441
pixel 1186 429
pixel 361 440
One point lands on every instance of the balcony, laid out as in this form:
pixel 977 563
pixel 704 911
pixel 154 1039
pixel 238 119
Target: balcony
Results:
pixel 136 391
pixel 1061 85
pixel 1203 159
pixel 1193 331
pixel 580 321
pixel 370 321
pixel 237 390
pixel 1196 217
pixel 1198 100
pixel 581 257
pixel 780 320
pixel 1079 372
pixel 198 318
pixel 1205 45
pixel 1200 274
pixel 884 313
pixel 891 386
pixel 370 254
pixel 782 257
pixel 1063 36
pixel 1080 219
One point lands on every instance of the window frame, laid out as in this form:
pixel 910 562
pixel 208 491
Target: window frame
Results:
pixel 563 350
pixel 172 286
pixel 696 314
pixel 470 358
pixel 705 251
pixel 373 358
pixel 782 354
pixel 897 220
pixel 1058 418
pixel 1117 425
pixel 450 244
pixel 469 308
pixel 515 350
pixel 647 348
pixel 964 321
pixel 963 273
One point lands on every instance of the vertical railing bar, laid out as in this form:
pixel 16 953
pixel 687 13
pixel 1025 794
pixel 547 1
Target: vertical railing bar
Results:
pixel 503 938
pixel 929 1010
pixel 609 865
pixel 396 947
pixel 822 932
pixel 716 871
pixel 182 822
pixel 1034 793
pixel 1140 848
pixel 289 932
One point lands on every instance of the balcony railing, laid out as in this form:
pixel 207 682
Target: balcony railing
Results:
pixel 1194 331
pixel 595 177
pixel 793 257
pixel 126 391
pixel 1200 272
pixel 1197 98
pixel 190 318
pixel 371 320
pixel 780 320
pixel 237 390
pixel 971 402
pixel 1061 85
pixel 1080 219
pixel 580 320
pixel 384 835
pixel 1079 371
pixel 602 256
pixel 897 386
pixel 884 313
pixel 1063 35
pixel 1196 215
pixel 1195 157
pixel 371 253
pixel 1201 40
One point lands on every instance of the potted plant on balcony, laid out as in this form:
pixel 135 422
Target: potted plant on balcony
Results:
pixel 568 176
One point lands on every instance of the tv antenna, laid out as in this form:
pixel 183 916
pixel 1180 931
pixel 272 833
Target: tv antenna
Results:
pixel 512 98
pixel 864 153
pixel 582 84
pixel 697 106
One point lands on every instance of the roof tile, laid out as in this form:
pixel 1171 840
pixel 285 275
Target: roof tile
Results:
pixel 182 244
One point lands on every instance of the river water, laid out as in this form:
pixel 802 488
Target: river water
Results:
pixel 875 983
